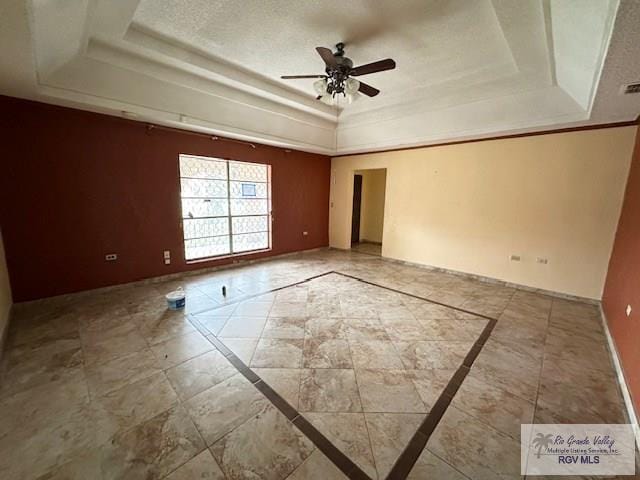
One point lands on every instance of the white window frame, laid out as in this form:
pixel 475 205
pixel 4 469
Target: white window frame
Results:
pixel 229 215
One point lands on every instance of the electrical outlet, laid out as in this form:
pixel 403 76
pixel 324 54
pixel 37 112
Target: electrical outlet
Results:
pixel 628 310
pixel 542 260
pixel 167 257
pixel 515 258
pixel 111 257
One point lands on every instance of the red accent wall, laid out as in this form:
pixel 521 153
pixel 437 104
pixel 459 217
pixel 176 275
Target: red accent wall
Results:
pixel 622 287
pixel 76 185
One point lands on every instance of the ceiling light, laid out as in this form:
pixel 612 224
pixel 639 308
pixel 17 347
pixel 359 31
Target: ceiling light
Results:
pixel 327 99
pixel 320 86
pixel 351 86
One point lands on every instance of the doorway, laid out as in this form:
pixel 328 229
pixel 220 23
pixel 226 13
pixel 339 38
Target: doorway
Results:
pixel 357 208
pixel 367 219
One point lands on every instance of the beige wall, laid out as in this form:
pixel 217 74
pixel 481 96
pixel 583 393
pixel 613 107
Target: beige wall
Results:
pixel 468 207
pixel 372 207
pixel 5 293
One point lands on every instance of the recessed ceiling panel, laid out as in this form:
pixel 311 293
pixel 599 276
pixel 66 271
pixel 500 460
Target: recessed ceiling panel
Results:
pixel 433 42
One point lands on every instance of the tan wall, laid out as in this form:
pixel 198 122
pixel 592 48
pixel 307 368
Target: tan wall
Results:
pixel 468 207
pixel 5 293
pixel 372 207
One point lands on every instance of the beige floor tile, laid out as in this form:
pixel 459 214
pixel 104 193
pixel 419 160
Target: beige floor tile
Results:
pixel 126 407
pixel 49 418
pixel 374 354
pixel 365 329
pixel 317 467
pixel 278 353
pixel 329 308
pixel 117 343
pixel 329 390
pixel 203 467
pixel 31 452
pixel 288 309
pixel 243 348
pixel 430 466
pixel 430 383
pixel 348 432
pixel 285 381
pixel 164 326
pixel 325 327
pixel 36 332
pixel 352 308
pixel 298 293
pixel 154 448
pixel 182 348
pixel 326 353
pixel 26 367
pixel 81 466
pixel 243 327
pixel 494 406
pixel 200 303
pixel 267 446
pixel 390 434
pixel 284 327
pixel 114 374
pixel 404 329
pixel 473 448
pixel 225 406
pixel 252 309
pixel 200 373
pixel 429 355
pixel 388 391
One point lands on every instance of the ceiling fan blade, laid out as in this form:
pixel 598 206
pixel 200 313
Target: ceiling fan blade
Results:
pixel 327 56
pixel 379 66
pixel 289 77
pixel 368 90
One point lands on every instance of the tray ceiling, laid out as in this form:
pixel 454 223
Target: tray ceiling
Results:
pixel 465 69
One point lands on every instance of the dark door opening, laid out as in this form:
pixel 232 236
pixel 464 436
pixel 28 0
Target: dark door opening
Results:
pixel 357 203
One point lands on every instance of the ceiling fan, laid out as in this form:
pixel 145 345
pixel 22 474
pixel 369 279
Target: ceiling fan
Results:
pixel 338 78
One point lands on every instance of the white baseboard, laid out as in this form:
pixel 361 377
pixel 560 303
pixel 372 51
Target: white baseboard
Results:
pixel 633 418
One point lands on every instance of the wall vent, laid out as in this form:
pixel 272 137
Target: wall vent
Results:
pixel 631 88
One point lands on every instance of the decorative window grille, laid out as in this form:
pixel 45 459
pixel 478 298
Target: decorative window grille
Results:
pixel 226 207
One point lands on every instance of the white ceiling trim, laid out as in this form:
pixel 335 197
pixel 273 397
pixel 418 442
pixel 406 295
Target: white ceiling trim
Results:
pixel 94 103
pixel 96 57
pixel 222 72
pixel 508 114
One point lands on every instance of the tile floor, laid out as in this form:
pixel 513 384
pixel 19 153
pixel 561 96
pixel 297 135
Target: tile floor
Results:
pixel 367 247
pixel 111 384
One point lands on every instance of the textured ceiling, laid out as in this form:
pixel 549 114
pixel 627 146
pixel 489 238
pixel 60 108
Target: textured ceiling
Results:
pixel 433 42
pixel 465 68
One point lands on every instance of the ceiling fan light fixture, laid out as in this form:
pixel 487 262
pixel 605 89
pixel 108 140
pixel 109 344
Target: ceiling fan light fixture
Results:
pixel 352 97
pixel 327 99
pixel 338 80
pixel 351 86
pixel 320 86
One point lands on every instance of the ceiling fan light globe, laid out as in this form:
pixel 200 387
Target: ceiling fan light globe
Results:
pixel 327 100
pixel 352 97
pixel 351 86
pixel 320 86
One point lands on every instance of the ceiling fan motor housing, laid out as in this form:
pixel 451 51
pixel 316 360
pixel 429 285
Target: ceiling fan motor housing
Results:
pixel 340 73
pixel 339 69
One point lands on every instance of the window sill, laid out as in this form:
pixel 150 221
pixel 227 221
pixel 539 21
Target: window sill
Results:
pixel 224 257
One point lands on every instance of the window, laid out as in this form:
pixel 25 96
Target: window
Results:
pixel 226 206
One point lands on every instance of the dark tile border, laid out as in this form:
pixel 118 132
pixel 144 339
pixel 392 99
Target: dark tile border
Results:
pixel 407 459
pixel 412 451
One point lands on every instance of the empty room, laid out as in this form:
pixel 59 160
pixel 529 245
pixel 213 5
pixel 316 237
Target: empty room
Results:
pixel 319 240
